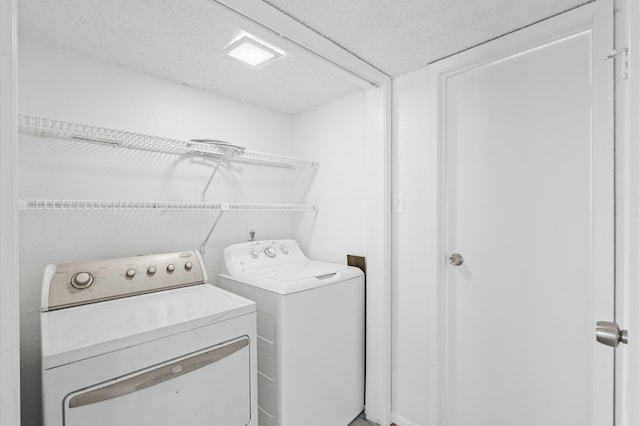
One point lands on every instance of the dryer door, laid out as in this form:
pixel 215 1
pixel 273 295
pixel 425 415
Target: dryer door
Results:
pixel 209 387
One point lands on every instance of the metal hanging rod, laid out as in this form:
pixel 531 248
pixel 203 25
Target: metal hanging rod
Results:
pixel 46 204
pixel 202 148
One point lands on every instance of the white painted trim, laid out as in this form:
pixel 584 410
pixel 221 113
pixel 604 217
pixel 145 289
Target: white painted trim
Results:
pixel 401 421
pixel 295 33
pixel 9 288
pixel 377 404
pixel 387 209
pixel 628 213
pixel 384 305
pixel 527 38
pixel 336 59
pixel 540 34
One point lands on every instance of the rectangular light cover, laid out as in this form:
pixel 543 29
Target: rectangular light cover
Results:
pixel 251 51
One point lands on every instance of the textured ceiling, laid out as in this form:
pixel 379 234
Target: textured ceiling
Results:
pixel 403 35
pixel 180 40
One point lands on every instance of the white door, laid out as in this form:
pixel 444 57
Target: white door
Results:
pixel 527 146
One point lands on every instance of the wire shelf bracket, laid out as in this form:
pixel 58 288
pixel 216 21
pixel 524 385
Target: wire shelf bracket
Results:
pixel 206 187
pixel 206 239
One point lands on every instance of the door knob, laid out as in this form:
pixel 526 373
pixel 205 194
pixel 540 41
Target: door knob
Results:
pixel 456 259
pixel 608 333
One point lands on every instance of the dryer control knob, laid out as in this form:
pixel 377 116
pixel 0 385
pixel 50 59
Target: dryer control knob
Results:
pixel 270 251
pixel 131 273
pixel 284 250
pixel 254 253
pixel 151 270
pixel 188 266
pixel 82 280
pixel 171 267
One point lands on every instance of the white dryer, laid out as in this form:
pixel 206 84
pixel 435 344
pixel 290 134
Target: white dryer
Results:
pixel 145 341
pixel 310 332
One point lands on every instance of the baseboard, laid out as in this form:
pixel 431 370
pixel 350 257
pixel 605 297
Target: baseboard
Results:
pixel 401 421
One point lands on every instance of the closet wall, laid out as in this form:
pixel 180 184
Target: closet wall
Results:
pixel 335 135
pixel 414 244
pixel 63 85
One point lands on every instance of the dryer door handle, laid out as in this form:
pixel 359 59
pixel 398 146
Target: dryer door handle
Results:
pixel 131 384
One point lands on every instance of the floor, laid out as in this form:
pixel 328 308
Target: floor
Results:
pixel 360 422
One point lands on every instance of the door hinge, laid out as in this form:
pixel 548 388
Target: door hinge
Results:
pixel 624 73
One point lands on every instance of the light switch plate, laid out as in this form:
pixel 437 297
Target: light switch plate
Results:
pixel 397 199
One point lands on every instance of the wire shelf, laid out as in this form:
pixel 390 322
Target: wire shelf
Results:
pixel 46 204
pixel 85 133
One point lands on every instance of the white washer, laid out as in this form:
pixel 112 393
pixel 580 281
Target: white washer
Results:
pixel 145 341
pixel 310 332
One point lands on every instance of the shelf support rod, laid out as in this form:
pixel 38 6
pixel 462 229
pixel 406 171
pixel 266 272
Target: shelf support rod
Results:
pixel 206 187
pixel 206 239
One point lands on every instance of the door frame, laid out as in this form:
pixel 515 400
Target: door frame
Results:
pixel 535 35
pixel 627 30
pixel 9 288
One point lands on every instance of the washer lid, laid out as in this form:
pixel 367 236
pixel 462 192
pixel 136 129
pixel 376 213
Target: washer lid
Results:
pixel 296 271
pixel 294 277
pixel 73 334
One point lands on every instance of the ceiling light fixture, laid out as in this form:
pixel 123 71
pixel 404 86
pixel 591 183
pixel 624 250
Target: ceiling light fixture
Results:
pixel 252 51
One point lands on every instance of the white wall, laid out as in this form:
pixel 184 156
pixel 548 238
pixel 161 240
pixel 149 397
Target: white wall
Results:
pixel 62 85
pixel 414 305
pixel 335 135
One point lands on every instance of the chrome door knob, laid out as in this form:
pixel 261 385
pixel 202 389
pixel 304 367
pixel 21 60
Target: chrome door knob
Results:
pixel 608 333
pixel 456 259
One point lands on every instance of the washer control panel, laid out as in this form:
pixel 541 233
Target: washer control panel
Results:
pixel 72 284
pixel 254 254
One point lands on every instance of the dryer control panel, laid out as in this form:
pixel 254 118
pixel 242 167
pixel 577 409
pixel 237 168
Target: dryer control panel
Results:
pixel 72 284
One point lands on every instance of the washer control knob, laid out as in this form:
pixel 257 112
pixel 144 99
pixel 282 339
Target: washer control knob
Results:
pixel 151 270
pixel 171 267
pixel 188 266
pixel 254 253
pixel 82 280
pixel 270 251
pixel 131 273
pixel 284 250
